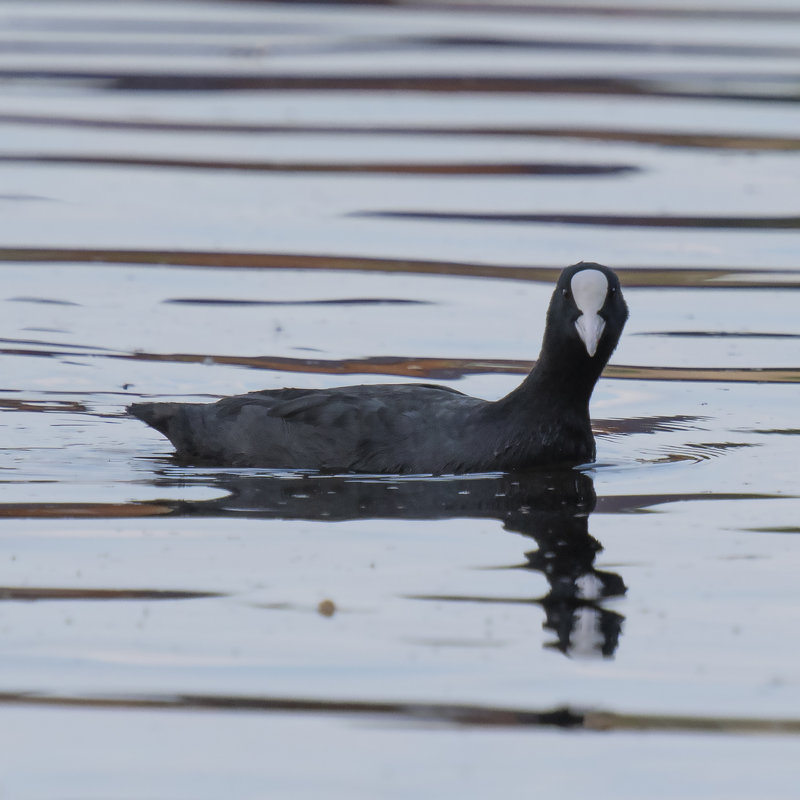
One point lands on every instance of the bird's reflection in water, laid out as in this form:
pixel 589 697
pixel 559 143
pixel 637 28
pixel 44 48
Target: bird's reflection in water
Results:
pixel 558 521
pixel 550 507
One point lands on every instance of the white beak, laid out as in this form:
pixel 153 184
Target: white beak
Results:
pixel 589 289
pixel 590 329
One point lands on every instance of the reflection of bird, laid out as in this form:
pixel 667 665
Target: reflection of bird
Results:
pixel 419 428
pixel 550 506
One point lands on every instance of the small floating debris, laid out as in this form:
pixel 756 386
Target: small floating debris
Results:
pixel 326 608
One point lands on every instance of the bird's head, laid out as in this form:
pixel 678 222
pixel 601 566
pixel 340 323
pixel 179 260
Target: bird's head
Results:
pixel 586 315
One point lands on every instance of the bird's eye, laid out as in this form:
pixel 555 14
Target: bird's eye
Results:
pixel 565 292
pixel 613 290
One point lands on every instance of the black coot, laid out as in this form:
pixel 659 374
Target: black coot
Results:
pixel 419 428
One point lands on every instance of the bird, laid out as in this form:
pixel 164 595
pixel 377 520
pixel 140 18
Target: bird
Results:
pixel 421 428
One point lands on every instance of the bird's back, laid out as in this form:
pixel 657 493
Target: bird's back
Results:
pixel 382 428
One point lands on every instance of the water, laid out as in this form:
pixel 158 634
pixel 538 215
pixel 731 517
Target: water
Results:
pixel 201 200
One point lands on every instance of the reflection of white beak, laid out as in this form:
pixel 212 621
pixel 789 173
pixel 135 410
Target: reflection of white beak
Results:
pixel 590 329
pixel 589 288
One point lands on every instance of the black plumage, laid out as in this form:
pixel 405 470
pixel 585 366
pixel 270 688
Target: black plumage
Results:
pixel 421 428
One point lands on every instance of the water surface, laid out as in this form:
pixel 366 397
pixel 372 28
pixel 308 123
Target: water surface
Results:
pixel 202 200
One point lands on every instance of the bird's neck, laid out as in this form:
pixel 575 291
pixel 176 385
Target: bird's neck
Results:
pixel 555 386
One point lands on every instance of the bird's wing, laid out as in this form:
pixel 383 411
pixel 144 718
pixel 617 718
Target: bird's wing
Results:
pixel 308 406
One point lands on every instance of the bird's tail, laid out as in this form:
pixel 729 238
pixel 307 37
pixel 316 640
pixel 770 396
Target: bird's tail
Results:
pixel 156 415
